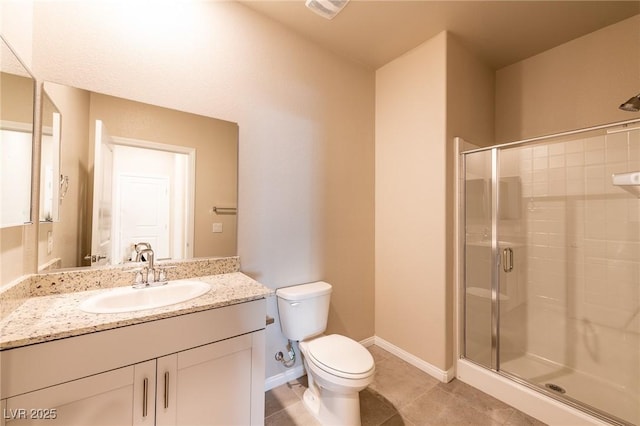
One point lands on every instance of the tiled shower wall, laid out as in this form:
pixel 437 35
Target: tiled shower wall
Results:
pixel 582 243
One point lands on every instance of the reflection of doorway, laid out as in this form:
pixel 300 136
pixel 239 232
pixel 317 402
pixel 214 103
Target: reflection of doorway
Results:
pixel 153 198
pixel 15 179
pixel 143 207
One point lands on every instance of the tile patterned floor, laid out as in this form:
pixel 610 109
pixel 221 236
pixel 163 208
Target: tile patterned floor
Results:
pixel 401 394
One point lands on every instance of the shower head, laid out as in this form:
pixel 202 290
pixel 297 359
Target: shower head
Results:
pixel 632 105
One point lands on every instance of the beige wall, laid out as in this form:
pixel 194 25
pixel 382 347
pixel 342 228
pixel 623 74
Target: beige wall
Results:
pixel 16 102
pixel 470 115
pixel 411 310
pixel 424 99
pixel 13 251
pixel 68 233
pixel 16 22
pixel 576 85
pixel 306 125
pixel 470 96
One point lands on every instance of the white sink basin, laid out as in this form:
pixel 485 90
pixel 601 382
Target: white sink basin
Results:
pixel 128 299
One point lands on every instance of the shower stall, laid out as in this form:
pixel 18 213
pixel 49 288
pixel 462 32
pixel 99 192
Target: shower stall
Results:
pixel 549 255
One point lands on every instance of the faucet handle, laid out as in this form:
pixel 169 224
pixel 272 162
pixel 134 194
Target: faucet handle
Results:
pixel 160 274
pixel 139 281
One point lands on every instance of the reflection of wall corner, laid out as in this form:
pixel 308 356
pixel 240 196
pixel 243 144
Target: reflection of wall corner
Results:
pixel 630 182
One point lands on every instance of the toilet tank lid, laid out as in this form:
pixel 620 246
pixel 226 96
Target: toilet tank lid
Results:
pixel 304 291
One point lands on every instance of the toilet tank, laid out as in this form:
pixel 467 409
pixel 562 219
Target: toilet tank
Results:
pixel 303 309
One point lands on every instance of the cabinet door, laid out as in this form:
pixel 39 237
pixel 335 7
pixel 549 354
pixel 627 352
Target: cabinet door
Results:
pixel 208 385
pixel 166 401
pixel 144 393
pixel 99 400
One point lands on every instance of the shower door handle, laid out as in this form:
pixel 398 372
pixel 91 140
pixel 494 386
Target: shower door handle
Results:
pixel 507 259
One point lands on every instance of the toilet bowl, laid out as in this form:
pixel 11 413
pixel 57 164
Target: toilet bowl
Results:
pixel 338 368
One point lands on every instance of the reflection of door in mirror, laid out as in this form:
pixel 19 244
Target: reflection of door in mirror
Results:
pixel 15 154
pixel 101 225
pixel 143 203
pixel 152 199
pixel 211 182
pixel 142 192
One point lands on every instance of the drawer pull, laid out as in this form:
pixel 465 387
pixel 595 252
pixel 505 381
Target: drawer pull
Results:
pixel 145 397
pixel 166 390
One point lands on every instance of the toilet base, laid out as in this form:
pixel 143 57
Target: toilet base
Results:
pixel 333 409
pixel 311 402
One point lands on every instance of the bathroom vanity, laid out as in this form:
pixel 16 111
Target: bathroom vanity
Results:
pixel 196 362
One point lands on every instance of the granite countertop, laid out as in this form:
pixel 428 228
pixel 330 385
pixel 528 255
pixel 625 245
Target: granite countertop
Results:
pixel 50 317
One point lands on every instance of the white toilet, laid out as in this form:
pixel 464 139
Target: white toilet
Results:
pixel 338 368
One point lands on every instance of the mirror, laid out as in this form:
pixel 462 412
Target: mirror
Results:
pixel 135 172
pixel 17 90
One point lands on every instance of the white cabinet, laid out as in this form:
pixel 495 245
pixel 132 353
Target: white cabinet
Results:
pixel 102 399
pixel 207 368
pixel 209 385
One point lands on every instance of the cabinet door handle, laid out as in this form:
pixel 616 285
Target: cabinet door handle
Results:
pixel 166 389
pixel 507 259
pixel 145 396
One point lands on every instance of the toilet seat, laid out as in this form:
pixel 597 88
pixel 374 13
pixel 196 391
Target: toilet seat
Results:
pixel 340 356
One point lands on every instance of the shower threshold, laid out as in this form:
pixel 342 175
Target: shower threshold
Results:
pixel 580 387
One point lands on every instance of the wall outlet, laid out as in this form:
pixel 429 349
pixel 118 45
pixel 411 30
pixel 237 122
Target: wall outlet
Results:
pixel 217 227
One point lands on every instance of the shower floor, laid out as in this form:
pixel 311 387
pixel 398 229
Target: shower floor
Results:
pixel 587 389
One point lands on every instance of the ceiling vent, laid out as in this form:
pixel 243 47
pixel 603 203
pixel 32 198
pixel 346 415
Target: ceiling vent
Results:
pixel 326 8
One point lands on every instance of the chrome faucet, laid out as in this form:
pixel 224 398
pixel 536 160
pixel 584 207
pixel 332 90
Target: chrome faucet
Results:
pixel 139 247
pixel 149 275
pixel 145 276
pixel 149 256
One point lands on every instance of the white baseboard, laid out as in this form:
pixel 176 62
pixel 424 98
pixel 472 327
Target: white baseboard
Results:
pixel 284 377
pixel 298 371
pixel 370 341
pixel 432 370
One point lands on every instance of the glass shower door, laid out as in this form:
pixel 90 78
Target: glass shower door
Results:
pixel 552 267
pixel 569 275
pixel 478 258
pixel 495 263
pixel 514 168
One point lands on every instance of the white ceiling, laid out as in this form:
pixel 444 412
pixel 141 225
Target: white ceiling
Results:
pixel 374 32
